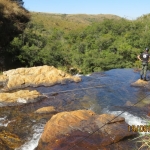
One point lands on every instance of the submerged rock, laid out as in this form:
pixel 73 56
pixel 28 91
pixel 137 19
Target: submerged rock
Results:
pixel 49 109
pixel 19 97
pixel 82 129
pixel 140 83
pixel 35 76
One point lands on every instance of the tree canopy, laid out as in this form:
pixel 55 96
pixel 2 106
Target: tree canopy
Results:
pixel 98 45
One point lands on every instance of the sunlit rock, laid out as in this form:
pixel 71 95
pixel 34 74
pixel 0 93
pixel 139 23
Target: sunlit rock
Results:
pixel 19 97
pixel 140 82
pixel 49 109
pixel 36 76
pixel 65 130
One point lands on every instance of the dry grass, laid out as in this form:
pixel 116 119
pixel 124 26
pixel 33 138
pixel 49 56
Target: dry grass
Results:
pixel 9 9
pixel 68 22
pixel 145 142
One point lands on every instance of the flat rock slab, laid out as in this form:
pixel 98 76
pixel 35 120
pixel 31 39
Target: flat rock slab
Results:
pixel 19 98
pixel 82 129
pixel 35 76
pixel 140 83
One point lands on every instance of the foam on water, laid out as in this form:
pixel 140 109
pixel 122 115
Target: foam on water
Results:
pixel 21 100
pixel 33 142
pixel 78 75
pixel 129 118
pixel 4 122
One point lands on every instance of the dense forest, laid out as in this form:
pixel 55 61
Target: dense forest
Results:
pixel 86 43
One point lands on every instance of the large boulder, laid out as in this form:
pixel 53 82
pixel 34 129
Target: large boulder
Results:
pixel 19 97
pixel 82 129
pixel 35 76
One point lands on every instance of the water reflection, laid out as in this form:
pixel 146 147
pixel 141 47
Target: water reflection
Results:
pixel 115 90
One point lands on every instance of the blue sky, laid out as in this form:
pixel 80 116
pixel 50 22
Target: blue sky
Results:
pixel 130 9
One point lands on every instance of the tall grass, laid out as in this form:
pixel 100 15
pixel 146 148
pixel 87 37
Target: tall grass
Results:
pixel 144 139
pixel 9 8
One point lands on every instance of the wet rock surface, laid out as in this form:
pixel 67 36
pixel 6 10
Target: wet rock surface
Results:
pixel 49 109
pixel 83 129
pixel 19 98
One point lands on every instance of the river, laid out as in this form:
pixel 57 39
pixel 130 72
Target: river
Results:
pixel 102 92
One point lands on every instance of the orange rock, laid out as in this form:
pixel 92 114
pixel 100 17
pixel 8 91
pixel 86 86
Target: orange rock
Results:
pixel 83 128
pixel 49 109
pixel 140 82
pixel 19 97
pixel 36 76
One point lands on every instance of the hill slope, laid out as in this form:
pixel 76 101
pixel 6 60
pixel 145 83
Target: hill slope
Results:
pixel 67 22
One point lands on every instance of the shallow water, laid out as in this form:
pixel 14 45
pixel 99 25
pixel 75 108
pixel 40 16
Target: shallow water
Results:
pixel 105 92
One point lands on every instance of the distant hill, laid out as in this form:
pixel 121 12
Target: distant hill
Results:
pixel 68 22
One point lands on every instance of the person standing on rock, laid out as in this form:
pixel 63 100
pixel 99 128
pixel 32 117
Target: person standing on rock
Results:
pixel 144 57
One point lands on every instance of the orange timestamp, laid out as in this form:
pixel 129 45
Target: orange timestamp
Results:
pixel 139 128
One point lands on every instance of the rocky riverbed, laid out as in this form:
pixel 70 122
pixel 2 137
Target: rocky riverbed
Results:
pixel 65 111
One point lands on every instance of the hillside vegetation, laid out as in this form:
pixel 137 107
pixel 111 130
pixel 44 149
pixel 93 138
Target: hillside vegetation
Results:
pixel 87 43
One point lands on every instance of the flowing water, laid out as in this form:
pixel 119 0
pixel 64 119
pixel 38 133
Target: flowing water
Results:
pixel 104 92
